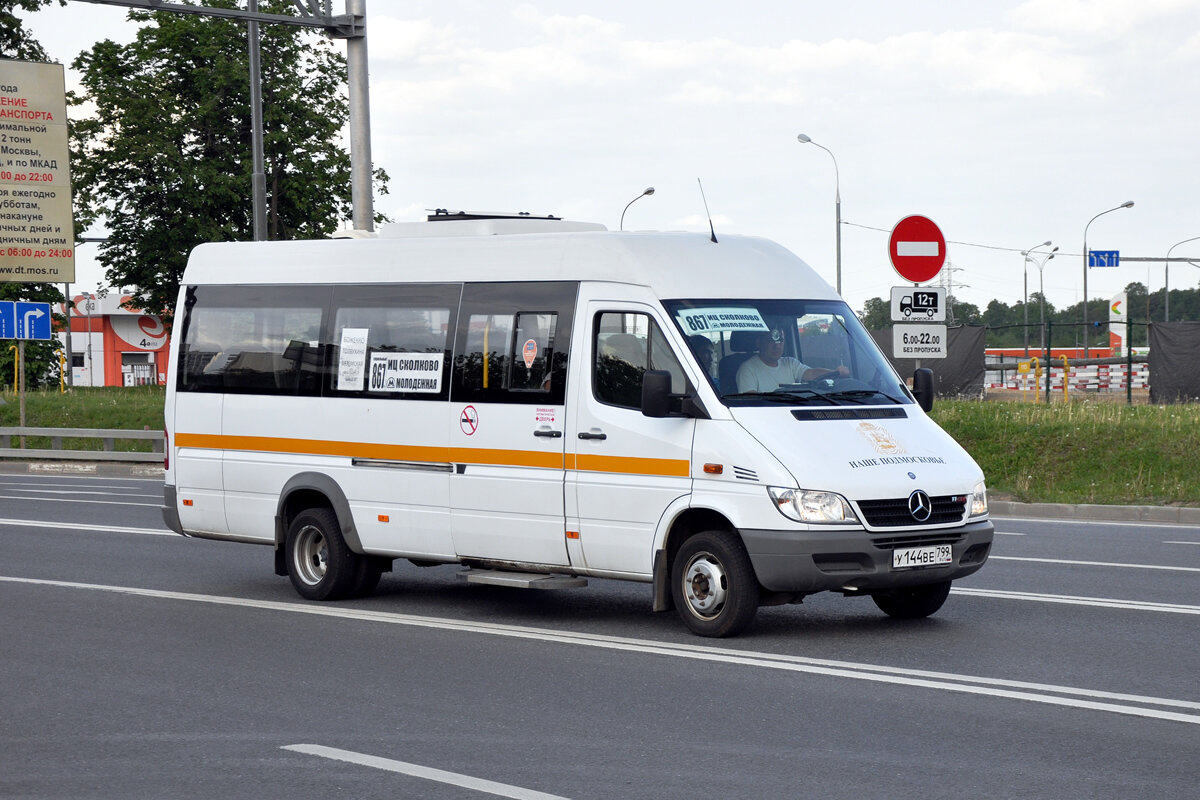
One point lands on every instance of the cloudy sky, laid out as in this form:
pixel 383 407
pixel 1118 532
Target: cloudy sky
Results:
pixel 1007 123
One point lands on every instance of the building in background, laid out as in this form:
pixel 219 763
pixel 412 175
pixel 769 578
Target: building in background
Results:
pixel 114 346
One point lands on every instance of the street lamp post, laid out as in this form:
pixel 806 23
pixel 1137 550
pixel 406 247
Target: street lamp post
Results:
pixel 1167 279
pixel 837 184
pixel 1025 283
pixel 88 298
pixel 1126 204
pixel 1042 295
pixel 649 190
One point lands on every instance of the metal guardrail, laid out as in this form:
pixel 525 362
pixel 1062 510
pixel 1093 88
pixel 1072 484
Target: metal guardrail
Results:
pixel 108 437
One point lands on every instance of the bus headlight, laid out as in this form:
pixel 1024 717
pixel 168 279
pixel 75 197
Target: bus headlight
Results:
pixel 979 500
pixel 806 505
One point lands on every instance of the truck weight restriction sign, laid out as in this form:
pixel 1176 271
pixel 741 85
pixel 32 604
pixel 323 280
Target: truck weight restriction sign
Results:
pixel 917 248
pixel 912 304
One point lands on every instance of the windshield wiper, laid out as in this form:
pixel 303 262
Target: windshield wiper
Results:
pixel 789 396
pixel 854 395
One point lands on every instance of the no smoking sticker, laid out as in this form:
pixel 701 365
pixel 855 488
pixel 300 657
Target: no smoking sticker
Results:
pixel 468 420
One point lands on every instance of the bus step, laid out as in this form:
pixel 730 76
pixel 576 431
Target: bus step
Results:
pixel 521 580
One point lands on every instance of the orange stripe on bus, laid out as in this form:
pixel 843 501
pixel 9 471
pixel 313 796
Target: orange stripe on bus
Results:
pixel 444 455
pixel 631 465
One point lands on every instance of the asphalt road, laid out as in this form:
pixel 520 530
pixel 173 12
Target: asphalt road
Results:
pixel 136 663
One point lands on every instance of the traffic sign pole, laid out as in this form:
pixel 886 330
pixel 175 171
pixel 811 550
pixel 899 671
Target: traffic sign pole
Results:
pixel 21 384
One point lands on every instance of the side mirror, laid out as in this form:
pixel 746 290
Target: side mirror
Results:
pixel 923 388
pixel 656 393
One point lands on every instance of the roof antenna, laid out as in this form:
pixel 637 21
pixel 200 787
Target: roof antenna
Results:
pixel 706 211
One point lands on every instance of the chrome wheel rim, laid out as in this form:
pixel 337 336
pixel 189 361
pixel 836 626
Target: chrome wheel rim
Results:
pixel 311 556
pixel 705 586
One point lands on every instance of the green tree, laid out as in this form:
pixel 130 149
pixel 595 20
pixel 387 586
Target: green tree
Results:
pixel 876 314
pixel 15 41
pixel 41 358
pixel 960 313
pixel 165 158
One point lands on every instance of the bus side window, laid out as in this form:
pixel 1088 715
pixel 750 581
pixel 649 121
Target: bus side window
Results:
pixel 513 341
pixel 625 346
pixel 237 339
pixel 392 341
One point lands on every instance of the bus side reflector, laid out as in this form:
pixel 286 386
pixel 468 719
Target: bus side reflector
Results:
pixel 572 534
pixel 384 518
pixel 187 502
pixel 714 469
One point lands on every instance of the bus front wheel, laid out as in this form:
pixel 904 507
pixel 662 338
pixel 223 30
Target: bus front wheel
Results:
pixel 713 584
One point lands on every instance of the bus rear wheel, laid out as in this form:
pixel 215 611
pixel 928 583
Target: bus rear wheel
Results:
pixel 713 584
pixel 319 564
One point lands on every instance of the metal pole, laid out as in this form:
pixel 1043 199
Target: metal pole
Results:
pixel 1025 281
pixel 360 123
pixel 1126 204
pixel 1049 329
pixel 258 180
pixel 87 299
pixel 1025 302
pixel 70 353
pixel 21 384
pixel 1042 304
pixel 838 203
pixel 1167 279
pixel 1129 359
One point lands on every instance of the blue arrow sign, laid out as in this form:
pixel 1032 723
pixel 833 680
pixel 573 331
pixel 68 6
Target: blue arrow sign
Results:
pixel 33 321
pixel 8 324
pixel 1104 258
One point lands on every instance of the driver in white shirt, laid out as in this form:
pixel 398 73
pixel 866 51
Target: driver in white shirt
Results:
pixel 770 368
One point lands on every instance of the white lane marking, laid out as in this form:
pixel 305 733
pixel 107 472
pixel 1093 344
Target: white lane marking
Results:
pixel 418 771
pixel 65 500
pixel 1017 690
pixel 1097 563
pixel 80 491
pixel 72 526
pixel 1108 522
pixel 1010 533
pixel 1099 602
pixel 1181 542
pixel 76 480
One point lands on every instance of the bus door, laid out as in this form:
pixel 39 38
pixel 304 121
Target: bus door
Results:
pixel 506 421
pixel 628 468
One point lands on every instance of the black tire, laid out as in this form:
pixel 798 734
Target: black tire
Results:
pixel 319 564
pixel 912 602
pixel 713 584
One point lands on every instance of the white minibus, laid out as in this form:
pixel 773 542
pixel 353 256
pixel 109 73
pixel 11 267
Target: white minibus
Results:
pixel 543 401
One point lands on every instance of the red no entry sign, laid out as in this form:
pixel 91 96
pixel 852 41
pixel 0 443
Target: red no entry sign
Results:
pixel 917 248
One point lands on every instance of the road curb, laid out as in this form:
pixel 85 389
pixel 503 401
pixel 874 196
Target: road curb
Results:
pixel 1094 512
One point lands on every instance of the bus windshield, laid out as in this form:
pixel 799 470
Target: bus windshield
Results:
pixel 793 352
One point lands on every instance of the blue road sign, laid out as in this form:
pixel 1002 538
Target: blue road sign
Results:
pixel 8 320
pixel 33 320
pixel 1104 258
